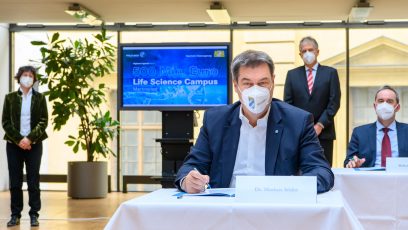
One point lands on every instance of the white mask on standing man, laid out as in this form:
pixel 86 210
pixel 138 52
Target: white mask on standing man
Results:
pixel 309 57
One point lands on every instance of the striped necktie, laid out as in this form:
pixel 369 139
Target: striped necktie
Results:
pixel 310 80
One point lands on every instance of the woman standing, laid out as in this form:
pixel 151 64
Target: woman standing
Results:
pixel 25 118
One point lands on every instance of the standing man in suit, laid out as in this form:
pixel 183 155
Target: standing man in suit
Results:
pixel 316 89
pixel 256 136
pixel 371 144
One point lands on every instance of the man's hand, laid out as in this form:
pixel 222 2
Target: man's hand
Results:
pixel 25 143
pixel 355 162
pixel 318 129
pixel 195 182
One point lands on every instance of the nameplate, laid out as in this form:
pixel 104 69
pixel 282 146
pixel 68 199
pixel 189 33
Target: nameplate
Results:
pixel 397 164
pixel 276 189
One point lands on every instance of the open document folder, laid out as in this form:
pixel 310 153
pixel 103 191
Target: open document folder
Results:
pixel 370 169
pixel 229 192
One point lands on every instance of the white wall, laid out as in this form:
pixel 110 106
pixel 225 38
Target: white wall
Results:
pixel 4 83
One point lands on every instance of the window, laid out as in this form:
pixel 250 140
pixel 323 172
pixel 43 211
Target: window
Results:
pixel 283 47
pixel 141 154
pixel 377 57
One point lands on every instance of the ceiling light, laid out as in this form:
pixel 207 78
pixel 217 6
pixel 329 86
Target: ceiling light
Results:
pixel 218 14
pixel 360 12
pixel 85 15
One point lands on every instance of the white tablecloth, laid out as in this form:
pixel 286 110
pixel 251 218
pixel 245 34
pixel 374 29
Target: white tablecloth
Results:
pixel 378 199
pixel 161 210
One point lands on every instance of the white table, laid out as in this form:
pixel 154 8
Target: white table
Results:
pixel 378 199
pixel 161 210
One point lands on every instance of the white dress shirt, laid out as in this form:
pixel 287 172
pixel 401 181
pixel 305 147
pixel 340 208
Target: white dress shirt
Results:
pixel 314 71
pixel 250 160
pixel 392 133
pixel 25 118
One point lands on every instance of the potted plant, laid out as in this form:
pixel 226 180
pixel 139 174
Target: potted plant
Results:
pixel 71 69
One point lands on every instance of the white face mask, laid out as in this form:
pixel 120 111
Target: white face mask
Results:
pixel 26 81
pixel 385 111
pixel 255 98
pixel 309 57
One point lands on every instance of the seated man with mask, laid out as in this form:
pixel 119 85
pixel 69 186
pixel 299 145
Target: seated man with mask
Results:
pixel 256 136
pixel 371 144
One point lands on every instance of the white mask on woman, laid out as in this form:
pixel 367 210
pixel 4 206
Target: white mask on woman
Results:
pixel 255 98
pixel 26 81
pixel 385 111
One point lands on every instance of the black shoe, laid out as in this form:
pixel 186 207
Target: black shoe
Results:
pixel 34 221
pixel 15 220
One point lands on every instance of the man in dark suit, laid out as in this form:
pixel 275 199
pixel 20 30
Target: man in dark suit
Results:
pixel 316 89
pixel 255 136
pixel 371 144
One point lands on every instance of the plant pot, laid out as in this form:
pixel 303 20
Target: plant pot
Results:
pixel 87 179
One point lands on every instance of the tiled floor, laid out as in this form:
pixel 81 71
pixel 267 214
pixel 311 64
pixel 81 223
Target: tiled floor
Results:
pixel 60 212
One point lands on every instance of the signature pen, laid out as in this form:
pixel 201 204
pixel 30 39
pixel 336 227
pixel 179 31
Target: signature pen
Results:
pixel 207 185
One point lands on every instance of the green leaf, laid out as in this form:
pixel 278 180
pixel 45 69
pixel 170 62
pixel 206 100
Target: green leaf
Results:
pixel 70 143
pixel 76 147
pixel 55 37
pixel 38 43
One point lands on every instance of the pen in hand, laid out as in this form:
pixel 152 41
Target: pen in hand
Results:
pixel 207 185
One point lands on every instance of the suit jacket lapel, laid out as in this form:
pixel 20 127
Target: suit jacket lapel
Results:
pixel 316 80
pixel 18 104
pixel 33 102
pixel 372 138
pixel 230 148
pixel 401 140
pixel 303 79
pixel 273 137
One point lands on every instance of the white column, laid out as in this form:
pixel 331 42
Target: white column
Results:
pixel 4 84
